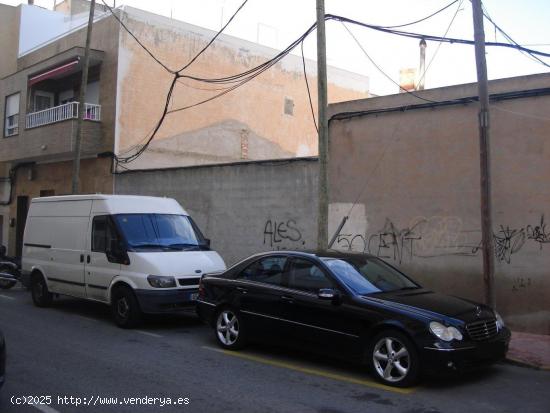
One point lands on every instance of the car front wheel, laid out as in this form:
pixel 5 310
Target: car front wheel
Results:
pixel 393 359
pixel 230 329
pixel 125 307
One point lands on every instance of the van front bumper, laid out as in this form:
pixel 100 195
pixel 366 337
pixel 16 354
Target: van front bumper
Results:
pixel 167 301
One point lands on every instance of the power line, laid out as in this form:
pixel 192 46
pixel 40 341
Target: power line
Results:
pixel 156 59
pixel 381 70
pixel 422 19
pixel 507 37
pixel 423 75
pixel 176 76
pixel 308 91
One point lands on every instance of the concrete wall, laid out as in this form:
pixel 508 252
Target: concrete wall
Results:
pixel 248 123
pixel 415 174
pixel 244 207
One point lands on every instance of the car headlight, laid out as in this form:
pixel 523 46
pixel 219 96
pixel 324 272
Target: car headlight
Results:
pixel 445 333
pixel 500 321
pixel 161 281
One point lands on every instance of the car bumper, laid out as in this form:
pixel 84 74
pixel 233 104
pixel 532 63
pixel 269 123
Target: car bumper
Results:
pixel 166 301
pixel 206 311
pixel 469 356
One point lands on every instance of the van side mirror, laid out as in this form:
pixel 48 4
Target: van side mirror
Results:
pixel 207 242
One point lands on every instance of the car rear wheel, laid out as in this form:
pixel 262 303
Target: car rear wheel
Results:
pixel 39 291
pixel 125 307
pixel 230 331
pixel 393 359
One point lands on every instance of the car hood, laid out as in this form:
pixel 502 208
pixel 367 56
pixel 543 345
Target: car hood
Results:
pixel 176 263
pixel 429 304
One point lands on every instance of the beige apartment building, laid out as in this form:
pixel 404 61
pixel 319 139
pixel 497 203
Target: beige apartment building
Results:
pixel 40 76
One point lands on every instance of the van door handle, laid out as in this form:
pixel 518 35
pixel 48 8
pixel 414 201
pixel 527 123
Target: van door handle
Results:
pixel 242 290
pixel 88 259
pixel 81 257
pixel 287 299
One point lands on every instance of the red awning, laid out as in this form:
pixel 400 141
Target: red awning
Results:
pixel 64 68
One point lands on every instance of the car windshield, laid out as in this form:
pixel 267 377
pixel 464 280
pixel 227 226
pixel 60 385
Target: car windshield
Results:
pixel 155 232
pixel 365 275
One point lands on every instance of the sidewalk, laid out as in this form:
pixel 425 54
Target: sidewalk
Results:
pixel 532 350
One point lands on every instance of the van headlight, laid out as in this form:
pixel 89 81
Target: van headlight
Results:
pixel 445 333
pixel 161 281
pixel 500 321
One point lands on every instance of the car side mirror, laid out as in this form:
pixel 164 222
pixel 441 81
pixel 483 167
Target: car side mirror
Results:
pixel 207 242
pixel 329 294
pixel 115 252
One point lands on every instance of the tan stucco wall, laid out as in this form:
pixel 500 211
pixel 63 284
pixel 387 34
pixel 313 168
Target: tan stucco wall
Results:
pixel 258 107
pixel 416 173
pixel 95 177
pixel 9 39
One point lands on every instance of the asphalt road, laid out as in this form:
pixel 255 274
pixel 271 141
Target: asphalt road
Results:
pixel 74 349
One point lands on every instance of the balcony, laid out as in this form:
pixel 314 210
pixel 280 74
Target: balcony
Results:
pixel 60 113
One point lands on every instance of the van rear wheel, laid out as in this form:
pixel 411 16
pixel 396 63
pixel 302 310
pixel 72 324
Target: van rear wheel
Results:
pixel 39 291
pixel 125 307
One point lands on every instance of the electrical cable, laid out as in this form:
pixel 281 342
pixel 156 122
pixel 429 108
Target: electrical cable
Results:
pixel 308 91
pixel 381 70
pixel 156 59
pixel 176 75
pixel 422 19
pixel 507 37
pixel 423 75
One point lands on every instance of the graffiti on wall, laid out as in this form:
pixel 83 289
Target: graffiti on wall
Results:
pixel 282 234
pixel 439 236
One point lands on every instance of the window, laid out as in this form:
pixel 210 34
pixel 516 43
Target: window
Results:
pixel 268 270
pixel 306 276
pixel 368 275
pixel 289 106
pixel 42 100
pixel 103 233
pixel 11 121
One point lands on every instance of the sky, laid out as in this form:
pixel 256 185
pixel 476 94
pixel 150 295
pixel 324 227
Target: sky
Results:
pixel 278 23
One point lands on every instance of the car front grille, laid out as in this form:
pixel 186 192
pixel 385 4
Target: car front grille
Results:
pixel 482 330
pixel 184 282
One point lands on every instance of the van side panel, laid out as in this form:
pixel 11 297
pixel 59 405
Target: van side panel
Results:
pixel 54 243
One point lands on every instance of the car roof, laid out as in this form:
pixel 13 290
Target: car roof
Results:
pixel 316 253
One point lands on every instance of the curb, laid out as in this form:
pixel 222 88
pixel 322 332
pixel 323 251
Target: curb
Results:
pixel 521 363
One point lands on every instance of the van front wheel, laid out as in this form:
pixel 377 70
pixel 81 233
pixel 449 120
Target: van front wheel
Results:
pixel 125 307
pixel 39 291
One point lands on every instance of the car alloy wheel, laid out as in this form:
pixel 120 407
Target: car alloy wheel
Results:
pixel 391 359
pixel 227 328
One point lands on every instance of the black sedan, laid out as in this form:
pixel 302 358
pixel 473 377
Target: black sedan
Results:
pixel 351 306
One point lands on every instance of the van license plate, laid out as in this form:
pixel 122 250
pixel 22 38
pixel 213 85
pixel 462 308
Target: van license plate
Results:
pixel 194 296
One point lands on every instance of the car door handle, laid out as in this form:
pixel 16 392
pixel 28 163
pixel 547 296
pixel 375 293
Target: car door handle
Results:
pixel 81 257
pixel 287 299
pixel 88 259
pixel 242 290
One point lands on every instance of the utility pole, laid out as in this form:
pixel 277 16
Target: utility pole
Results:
pixel 81 103
pixel 322 217
pixel 485 158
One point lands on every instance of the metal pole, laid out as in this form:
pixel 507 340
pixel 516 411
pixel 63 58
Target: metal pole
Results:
pixel 322 217
pixel 81 103
pixel 485 158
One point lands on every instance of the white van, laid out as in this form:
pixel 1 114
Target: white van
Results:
pixel 138 254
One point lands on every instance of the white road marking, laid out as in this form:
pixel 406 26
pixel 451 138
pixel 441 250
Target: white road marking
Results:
pixel 7 297
pixel 45 408
pixel 148 334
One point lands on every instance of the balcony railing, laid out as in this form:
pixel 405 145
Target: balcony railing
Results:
pixel 62 112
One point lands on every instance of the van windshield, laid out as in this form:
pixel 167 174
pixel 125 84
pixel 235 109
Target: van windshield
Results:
pixel 160 232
